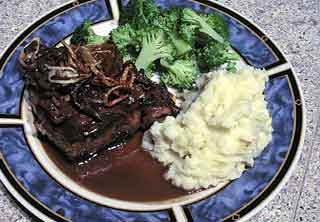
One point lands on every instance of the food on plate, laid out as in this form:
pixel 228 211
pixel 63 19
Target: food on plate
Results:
pixel 86 100
pixel 221 132
pixel 85 35
pixel 94 100
pixel 176 43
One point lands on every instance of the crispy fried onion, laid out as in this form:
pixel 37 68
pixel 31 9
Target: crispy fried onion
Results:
pixel 29 54
pixel 71 53
pixel 109 103
pixel 64 75
pixel 125 84
pixel 104 80
pixel 124 77
pixel 90 61
pixel 82 65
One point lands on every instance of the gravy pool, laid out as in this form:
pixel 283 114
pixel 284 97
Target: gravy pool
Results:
pixel 127 173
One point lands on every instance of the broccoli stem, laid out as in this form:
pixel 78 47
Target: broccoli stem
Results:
pixel 205 28
pixel 192 17
pixel 180 45
pixel 143 60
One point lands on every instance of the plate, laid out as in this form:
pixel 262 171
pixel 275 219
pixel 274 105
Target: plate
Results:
pixel 46 194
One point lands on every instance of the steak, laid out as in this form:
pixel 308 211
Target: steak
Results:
pixel 85 100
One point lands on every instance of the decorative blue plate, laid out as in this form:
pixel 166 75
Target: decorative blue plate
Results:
pixel 44 197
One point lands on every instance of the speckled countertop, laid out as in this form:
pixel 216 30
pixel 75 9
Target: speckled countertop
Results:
pixel 295 26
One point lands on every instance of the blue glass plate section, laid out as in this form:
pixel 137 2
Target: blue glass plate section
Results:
pixel 51 32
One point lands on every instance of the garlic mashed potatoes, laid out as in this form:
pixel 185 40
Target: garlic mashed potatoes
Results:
pixel 221 133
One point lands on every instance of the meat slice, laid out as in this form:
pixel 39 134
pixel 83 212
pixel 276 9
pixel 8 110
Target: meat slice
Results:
pixel 78 144
pixel 75 115
pixel 153 114
pixel 157 102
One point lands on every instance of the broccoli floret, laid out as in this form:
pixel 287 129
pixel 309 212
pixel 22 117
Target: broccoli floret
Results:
pixel 232 66
pixel 214 55
pixel 180 45
pixel 85 35
pixel 188 33
pixel 125 39
pixel 218 23
pixel 180 74
pixel 190 17
pixel 168 22
pixel 181 39
pixel 146 31
pixel 123 36
pixel 128 57
pixel 140 13
pixel 170 19
pixel 154 46
pixel 150 70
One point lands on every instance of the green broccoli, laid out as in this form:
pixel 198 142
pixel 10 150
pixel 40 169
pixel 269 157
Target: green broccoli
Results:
pixel 140 13
pixel 218 23
pixel 180 45
pixel 154 46
pixel 214 55
pixel 168 22
pixel 232 65
pixel 128 57
pixel 180 74
pixel 85 35
pixel 150 70
pixel 200 23
pixel 125 38
pixel 188 33
pixel 170 19
pixel 181 39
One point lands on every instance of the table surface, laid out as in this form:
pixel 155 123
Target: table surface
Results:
pixel 295 26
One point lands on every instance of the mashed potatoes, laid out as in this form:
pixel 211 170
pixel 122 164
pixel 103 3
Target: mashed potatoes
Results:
pixel 221 132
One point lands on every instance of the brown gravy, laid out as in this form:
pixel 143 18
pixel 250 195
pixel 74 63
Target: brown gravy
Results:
pixel 127 173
